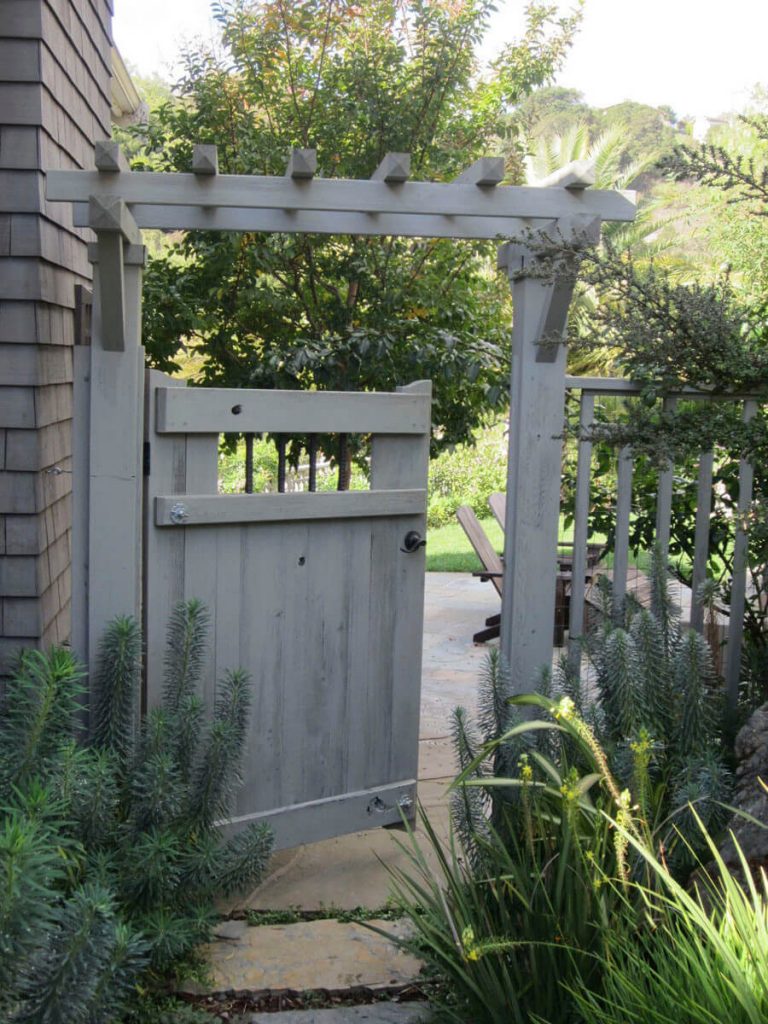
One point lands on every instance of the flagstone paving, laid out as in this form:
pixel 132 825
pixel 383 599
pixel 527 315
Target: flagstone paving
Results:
pixel 323 954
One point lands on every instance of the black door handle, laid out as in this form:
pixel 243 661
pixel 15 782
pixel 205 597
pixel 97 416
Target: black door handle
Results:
pixel 412 542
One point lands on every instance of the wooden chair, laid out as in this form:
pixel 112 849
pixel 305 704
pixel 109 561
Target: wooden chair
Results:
pixel 493 570
pixel 493 567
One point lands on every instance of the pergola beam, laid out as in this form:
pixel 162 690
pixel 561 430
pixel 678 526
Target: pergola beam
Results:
pixel 109 158
pixel 205 159
pixel 195 218
pixel 338 195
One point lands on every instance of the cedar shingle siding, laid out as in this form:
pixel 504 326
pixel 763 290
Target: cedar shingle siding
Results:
pixel 55 69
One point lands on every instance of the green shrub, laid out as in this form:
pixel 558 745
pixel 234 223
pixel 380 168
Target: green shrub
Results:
pixel 232 466
pixel 467 475
pixel 108 848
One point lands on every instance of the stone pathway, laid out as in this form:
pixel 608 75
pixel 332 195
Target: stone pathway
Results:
pixel 352 871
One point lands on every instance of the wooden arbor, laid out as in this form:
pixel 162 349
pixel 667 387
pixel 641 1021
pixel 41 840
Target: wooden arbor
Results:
pixel 116 203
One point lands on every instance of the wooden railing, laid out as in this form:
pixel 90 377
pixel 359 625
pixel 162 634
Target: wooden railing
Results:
pixel 591 388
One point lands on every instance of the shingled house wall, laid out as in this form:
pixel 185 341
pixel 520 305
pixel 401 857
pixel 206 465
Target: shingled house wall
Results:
pixel 55 70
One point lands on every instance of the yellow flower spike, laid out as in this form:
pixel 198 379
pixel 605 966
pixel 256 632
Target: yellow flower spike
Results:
pixel 565 709
pixel 525 769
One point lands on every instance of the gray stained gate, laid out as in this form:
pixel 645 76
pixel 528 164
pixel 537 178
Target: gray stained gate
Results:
pixel 313 594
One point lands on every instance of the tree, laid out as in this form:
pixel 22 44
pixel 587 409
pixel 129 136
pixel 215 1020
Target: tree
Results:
pixel 553 111
pixel 354 80
pixel 648 129
pixel 710 334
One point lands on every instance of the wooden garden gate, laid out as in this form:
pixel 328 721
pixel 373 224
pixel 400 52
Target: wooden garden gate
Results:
pixel 319 596
pixel 321 759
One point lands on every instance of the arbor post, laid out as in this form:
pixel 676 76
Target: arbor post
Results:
pixel 107 539
pixel 537 403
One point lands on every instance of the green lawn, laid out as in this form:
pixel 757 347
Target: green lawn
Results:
pixel 448 549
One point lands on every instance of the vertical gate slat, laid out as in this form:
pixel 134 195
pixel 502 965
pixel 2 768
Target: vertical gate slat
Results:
pixel 739 582
pixel 280 441
pixel 262 648
pixel 664 497
pixel 360 674
pixel 701 536
pixel 580 533
pixel 201 565
pixel 403 458
pixel 312 451
pixel 249 463
pixel 623 512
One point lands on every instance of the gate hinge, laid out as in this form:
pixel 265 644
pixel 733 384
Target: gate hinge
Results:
pixel 146 458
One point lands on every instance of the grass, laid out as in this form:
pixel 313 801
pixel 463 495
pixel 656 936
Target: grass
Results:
pixel 294 915
pixel 448 549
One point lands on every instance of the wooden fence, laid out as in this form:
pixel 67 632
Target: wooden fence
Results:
pixel 592 388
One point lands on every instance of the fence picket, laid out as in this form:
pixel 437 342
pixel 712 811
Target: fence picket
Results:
pixel 739 582
pixel 623 512
pixel 580 533
pixel 701 536
pixel 664 496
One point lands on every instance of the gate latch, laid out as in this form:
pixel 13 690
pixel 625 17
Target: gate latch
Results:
pixel 412 542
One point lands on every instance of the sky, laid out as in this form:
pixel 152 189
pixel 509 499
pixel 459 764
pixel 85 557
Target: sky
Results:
pixel 700 57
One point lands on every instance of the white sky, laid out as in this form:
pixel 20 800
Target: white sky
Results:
pixel 698 56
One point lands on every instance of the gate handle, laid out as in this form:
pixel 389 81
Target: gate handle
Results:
pixel 413 541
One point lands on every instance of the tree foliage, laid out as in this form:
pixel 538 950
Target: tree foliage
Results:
pixel 644 133
pixel 340 312
pixel 709 334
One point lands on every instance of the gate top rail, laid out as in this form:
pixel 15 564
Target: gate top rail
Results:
pixel 223 410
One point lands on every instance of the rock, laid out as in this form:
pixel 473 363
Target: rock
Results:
pixel 750 796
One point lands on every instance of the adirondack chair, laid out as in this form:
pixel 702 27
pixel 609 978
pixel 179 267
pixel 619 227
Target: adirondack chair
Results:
pixel 493 570
pixel 493 567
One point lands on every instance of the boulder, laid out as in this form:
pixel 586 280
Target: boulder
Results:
pixel 750 795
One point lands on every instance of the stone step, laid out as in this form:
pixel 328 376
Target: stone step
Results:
pixel 324 954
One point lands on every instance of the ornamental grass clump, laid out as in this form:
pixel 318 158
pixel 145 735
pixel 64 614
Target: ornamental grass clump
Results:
pixel 695 954
pixel 566 825
pixel 109 851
